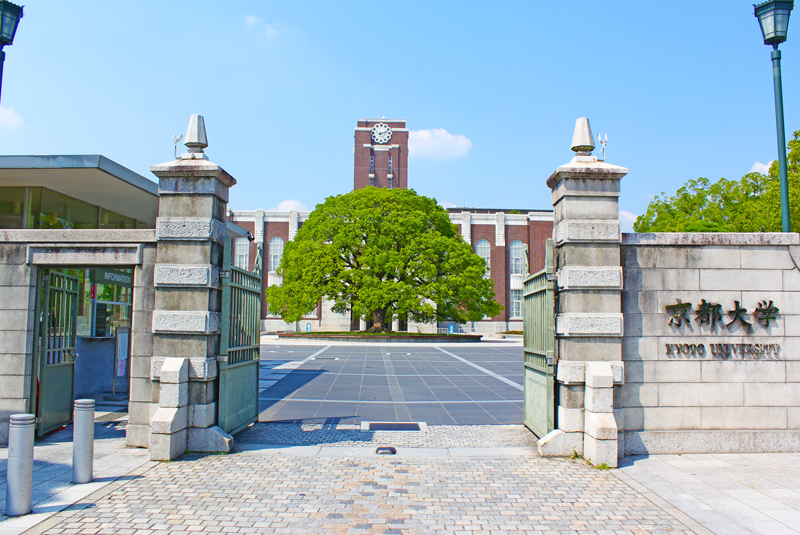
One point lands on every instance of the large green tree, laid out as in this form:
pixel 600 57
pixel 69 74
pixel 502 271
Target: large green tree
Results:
pixel 383 253
pixel 751 204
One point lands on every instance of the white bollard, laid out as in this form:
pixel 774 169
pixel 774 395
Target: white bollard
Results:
pixel 83 441
pixel 19 477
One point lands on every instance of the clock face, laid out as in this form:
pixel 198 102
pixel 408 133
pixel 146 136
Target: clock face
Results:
pixel 381 133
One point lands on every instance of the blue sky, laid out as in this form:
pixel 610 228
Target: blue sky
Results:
pixel 682 88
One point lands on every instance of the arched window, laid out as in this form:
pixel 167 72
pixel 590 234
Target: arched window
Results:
pixel 241 257
pixel 483 250
pixel 517 262
pixel 275 253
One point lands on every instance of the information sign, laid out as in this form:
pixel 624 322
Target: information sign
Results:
pixel 116 278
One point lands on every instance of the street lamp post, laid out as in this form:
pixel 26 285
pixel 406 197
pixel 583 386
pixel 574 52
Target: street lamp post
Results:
pixel 773 16
pixel 9 20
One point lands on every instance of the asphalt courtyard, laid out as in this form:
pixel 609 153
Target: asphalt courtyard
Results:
pixel 451 384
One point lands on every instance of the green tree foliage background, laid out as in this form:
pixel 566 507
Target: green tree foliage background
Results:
pixel 751 204
pixel 384 254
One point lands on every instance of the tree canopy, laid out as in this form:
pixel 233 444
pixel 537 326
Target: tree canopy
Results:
pixel 751 204
pixel 384 254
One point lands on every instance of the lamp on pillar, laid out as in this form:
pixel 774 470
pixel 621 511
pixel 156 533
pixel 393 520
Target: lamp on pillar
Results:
pixel 9 20
pixel 773 16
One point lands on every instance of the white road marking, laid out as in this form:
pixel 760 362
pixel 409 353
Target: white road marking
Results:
pixel 484 370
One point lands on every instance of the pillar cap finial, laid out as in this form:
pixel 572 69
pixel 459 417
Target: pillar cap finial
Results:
pixel 582 139
pixel 196 138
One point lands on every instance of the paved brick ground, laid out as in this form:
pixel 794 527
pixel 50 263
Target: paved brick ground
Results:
pixel 276 491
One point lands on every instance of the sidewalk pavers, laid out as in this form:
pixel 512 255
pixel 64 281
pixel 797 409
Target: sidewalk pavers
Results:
pixel 324 481
pixel 727 493
pixel 53 490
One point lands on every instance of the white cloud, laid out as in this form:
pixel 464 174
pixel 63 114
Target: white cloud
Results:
pixel 447 204
pixel 9 118
pixel 270 30
pixel 289 204
pixel 759 167
pixel 437 143
pixel 627 219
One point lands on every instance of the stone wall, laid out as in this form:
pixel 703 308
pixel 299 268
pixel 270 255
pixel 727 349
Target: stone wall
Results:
pixel 17 285
pixel 21 253
pixel 693 387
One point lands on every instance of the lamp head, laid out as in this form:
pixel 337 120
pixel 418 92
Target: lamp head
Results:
pixel 9 20
pixel 773 16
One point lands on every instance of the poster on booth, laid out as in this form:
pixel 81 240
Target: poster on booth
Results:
pixel 122 351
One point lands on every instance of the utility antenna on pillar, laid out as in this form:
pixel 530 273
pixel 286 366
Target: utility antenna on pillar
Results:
pixel 176 138
pixel 603 148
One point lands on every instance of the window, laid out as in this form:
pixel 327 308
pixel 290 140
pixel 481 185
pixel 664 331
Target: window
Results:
pixel 390 165
pixel 483 250
pixel 517 262
pixel 371 180
pixel 275 253
pixel 103 306
pixel 516 303
pixel 372 165
pixel 241 258
pixel 390 181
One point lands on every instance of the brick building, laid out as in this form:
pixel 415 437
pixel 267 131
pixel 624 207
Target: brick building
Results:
pixel 511 241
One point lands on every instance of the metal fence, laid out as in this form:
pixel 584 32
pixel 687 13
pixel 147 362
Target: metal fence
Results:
pixel 539 347
pixel 245 316
pixel 240 333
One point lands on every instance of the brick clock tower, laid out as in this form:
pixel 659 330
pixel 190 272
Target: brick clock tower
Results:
pixel 381 154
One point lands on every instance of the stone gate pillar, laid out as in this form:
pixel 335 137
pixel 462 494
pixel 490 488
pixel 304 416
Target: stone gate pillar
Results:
pixel 187 308
pixel 588 317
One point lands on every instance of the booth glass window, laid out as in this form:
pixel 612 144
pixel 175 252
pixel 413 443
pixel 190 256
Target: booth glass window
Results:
pixel 12 204
pixel 59 211
pixel 113 220
pixel 42 208
pixel 105 298
pixel 114 297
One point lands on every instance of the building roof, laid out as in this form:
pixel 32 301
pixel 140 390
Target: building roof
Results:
pixel 91 178
pixel 458 210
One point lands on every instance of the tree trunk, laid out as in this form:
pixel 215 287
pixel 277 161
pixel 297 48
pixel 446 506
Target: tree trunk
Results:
pixel 379 322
